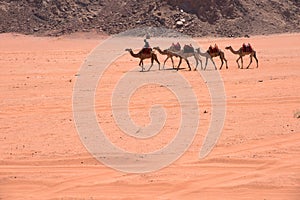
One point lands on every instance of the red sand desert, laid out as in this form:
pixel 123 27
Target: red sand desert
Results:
pixel 42 157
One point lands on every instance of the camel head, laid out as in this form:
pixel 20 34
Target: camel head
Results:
pixel 128 49
pixel 229 47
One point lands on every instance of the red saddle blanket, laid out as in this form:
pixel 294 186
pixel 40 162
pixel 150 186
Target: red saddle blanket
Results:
pixel 247 48
pixel 213 49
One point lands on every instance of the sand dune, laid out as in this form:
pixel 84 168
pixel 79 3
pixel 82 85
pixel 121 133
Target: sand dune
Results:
pixel 42 157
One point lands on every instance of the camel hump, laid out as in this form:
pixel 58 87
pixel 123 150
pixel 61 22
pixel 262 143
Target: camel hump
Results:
pixel 247 48
pixel 146 50
pixel 175 47
pixel 214 49
pixel 188 49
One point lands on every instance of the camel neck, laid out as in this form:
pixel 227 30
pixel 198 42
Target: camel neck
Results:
pixel 133 54
pixel 233 51
pixel 159 50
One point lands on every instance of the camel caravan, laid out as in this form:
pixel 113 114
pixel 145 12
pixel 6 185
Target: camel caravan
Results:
pixel 175 50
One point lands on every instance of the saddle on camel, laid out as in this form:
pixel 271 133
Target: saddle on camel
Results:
pixel 214 49
pixel 175 47
pixel 147 50
pixel 188 49
pixel 247 48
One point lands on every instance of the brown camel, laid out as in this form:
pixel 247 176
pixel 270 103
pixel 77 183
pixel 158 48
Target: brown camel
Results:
pixel 210 54
pixel 243 52
pixel 144 54
pixel 170 54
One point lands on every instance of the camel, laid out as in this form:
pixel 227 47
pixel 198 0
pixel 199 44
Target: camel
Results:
pixel 185 56
pixel 181 54
pixel 144 54
pixel 170 54
pixel 211 54
pixel 242 53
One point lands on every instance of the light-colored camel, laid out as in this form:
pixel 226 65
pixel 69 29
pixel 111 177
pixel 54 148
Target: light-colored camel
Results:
pixel 184 55
pixel 142 55
pixel 242 53
pixel 170 54
pixel 210 55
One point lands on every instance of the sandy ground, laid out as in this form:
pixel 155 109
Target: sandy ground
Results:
pixel 42 157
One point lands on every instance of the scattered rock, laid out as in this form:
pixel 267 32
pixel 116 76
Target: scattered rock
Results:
pixel 54 18
pixel 179 24
pixel 297 115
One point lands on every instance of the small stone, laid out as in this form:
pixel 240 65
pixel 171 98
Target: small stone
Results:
pixel 179 24
pixel 90 17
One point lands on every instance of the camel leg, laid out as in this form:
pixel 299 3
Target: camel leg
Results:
pixel 242 63
pixel 237 61
pixel 172 62
pixel 250 62
pixel 223 57
pixel 165 62
pixel 151 64
pixel 213 63
pixel 206 63
pixel 201 63
pixel 196 63
pixel 188 63
pixel 256 59
pixel 179 63
pixel 156 60
pixel 222 62
pixel 141 64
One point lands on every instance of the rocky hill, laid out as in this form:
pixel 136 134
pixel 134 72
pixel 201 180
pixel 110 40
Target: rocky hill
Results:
pixel 192 17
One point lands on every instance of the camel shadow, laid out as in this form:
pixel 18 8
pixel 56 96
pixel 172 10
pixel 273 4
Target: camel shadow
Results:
pixel 181 68
pixel 170 69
